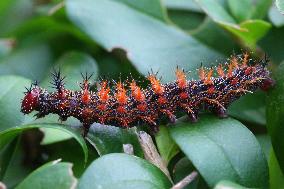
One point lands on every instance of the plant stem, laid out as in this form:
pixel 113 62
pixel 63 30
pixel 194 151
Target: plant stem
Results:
pixel 151 153
pixel 186 180
pixel 128 149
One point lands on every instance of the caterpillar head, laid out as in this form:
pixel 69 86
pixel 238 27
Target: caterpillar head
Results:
pixel 30 101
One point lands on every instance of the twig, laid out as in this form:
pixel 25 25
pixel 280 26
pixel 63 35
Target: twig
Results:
pixel 186 180
pixel 151 153
pixel 128 149
pixel 56 8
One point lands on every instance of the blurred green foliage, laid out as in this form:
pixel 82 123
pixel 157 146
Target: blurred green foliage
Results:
pixel 116 38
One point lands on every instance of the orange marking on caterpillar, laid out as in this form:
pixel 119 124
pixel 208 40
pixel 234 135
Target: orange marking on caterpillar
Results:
pixel 137 92
pixel 162 100
pixel 124 123
pixel 121 109
pixel 87 112
pixel 183 95
pixel 121 96
pixel 234 81
pixel 211 89
pixel 181 78
pixel 86 97
pixel 230 70
pixel 142 107
pixel 234 62
pixel 103 93
pixel 62 106
pixel 156 85
pixel 248 70
pixel 208 78
pixel 201 73
pixel 220 70
pixel 102 107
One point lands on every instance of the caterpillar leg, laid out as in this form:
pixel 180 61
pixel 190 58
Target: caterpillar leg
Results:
pixel 40 115
pixel 170 115
pixel 63 118
pixel 217 107
pixel 221 113
pixel 192 116
pixel 86 128
pixel 124 123
pixel 154 128
pixel 190 112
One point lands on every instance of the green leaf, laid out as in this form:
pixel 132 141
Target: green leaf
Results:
pixel 222 149
pixel 182 169
pixel 189 16
pixel 250 108
pixel 265 143
pixel 273 44
pixel 249 31
pixel 71 65
pixel 6 152
pixel 275 174
pixel 276 17
pixel 109 139
pixel 209 31
pixel 240 9
pixel 52 136
pixel 190 5
pixel 217 12
pixel 30 61
pixel 123 171
pixel 249 9
pixel 70 151
pixel 13 13
pixel 11 133
pixel 164 46
pixel 280 5
pixel 53 31
pixel 52 175
pixel 228 185
pixel 12 169
pixel 261 9
pixel 185 19
pixel 275 112
pixel 166 146
pixel 151 7
pixel 11 93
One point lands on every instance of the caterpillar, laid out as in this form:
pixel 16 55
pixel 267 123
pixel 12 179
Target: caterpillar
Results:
pixel 127 105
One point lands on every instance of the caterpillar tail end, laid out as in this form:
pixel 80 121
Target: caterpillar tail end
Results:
pixel 267 84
